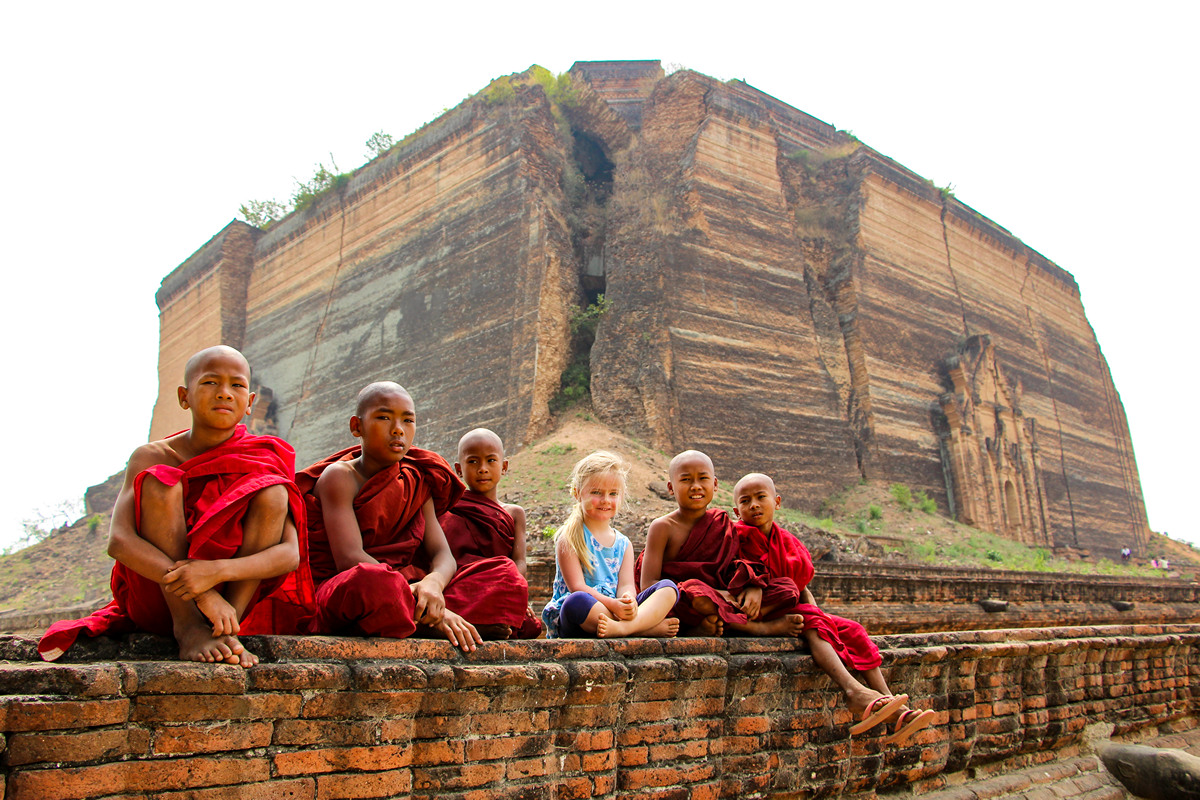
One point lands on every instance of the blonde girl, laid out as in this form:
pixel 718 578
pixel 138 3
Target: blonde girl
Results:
pixel 594 591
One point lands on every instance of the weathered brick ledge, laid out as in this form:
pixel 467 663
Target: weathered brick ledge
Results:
pixel 327 717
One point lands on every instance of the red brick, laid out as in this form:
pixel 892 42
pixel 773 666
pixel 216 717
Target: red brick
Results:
pixel 388 677
pixel 502 747
pixel 452 702
pixel 362 704
pixel 344 759
pixel 510 722
pixel 363 785
pixel 599 762
pixel 509 675
pixel 439 727
pixel 73 680
pixel 398 730
pixel 697 748
pixel 212 738
pixel 294 789
pixel 197 708
pixel 72 783
pixel 185 677
pixel 110 743
pixel 530 768
pixel 585 740
pixel 298 677
pixel 45 715
pixel 461 776
pixel 437 751
pixel 573 789
pixel 327 731
pixel 633 756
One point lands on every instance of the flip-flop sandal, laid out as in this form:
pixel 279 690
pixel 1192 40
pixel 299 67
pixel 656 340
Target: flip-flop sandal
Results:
pixel 878 710
pixel 907 725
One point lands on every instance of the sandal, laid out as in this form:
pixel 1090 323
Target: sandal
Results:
pixel 878 710
pixel 908 723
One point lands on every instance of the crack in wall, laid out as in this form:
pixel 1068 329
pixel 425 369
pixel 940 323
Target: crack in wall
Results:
pixel 312 356
pixel 1041 346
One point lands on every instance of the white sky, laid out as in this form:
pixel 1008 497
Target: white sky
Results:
pixel 134 131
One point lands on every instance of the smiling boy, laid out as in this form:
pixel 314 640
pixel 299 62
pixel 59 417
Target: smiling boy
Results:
pixel 207 531
pixel 696 547
pixel 487 538
pixel 373 510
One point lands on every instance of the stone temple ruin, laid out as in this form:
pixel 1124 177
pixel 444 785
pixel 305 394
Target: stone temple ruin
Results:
pixel 768 279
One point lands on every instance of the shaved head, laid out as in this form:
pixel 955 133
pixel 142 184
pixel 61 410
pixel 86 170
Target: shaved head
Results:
pixel 479 436
pixel 198 362
pixel 754 477
pixel 372 393
pixel 687 457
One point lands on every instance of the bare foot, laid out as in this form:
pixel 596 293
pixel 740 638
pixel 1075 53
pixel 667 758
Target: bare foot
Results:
pixel 787 625
pixel 494 633
pixel 664 630
pixel 242 656
pixel 703 605
pixel 710 626
pixel 219 612
pixel 197 644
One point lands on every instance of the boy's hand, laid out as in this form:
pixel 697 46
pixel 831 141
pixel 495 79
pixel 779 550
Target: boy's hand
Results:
pixel 218 611
pixel 187 580
pixel 459 632
pixel 626 606
pixel 430 604
pixel 750 601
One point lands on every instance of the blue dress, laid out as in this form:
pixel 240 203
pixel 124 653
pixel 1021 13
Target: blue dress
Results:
pixel 603 579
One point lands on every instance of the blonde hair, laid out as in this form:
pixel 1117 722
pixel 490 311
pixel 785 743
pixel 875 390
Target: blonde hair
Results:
pixel 588 469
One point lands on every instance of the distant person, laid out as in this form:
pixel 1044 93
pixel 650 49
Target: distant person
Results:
pixel 594 589
pixel 207 531
pixel 373 512
pixel 696 547
pixel 485 534
pixel 838 645
pixel 1154 563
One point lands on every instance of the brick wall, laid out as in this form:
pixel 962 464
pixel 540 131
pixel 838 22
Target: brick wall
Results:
pixel 327 717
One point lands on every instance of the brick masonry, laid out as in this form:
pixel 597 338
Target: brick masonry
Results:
pixel 327 717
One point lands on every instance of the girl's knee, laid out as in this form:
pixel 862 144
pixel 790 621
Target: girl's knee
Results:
pixel 576 608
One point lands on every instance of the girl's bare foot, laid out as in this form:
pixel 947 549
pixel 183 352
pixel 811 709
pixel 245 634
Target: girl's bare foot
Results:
pixel 664 630
pixel 609 628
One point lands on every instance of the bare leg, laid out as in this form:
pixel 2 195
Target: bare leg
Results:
pixel 163 525
pixel 649 614
pixel 592 623
pixel 857 695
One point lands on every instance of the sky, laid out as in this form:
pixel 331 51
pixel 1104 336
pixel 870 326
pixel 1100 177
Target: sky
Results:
pixel 135 131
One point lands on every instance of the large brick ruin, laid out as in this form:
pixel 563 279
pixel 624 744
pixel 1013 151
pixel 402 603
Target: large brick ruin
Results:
pixel 780 295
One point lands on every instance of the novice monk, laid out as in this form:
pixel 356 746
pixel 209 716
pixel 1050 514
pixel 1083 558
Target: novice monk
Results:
pixel 206 525
pixel 372 509
pixel 835 642
pixel 696 547
pixel 481 530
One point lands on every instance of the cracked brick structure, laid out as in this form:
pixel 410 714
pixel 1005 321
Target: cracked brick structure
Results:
pixel 842 312
pixel 326 717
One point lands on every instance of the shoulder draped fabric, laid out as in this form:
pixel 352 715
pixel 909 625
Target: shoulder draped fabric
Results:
pixel 708 561
pixel 218 486
pixel 786 556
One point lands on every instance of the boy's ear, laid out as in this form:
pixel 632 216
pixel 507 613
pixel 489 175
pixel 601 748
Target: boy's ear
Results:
pixel 504 467
pixel 250 404
pixel 458 469
pixel 356 426
pixel 182 392
pixel 778 501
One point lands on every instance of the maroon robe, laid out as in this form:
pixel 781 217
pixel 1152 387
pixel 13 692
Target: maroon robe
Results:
pixel 374 599
pixel 480 530
pixel 786 556
pixel 710 560
pixel 218 485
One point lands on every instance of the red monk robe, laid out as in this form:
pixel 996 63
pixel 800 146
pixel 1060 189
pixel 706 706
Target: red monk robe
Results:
pixel 374 599
pixel 710 560
pixel 217 487
pixel 786 556
pixel 479 530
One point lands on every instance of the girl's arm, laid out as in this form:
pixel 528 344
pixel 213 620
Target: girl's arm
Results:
pixel 626 588
pixel 572 572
